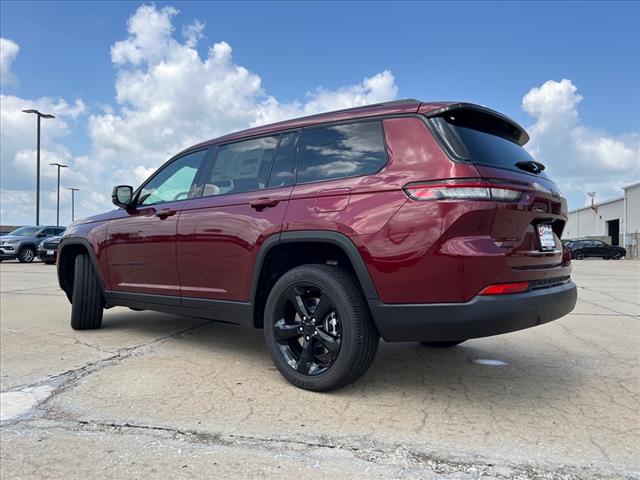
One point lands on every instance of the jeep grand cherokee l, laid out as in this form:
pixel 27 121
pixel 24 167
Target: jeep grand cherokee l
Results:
pixel 409 221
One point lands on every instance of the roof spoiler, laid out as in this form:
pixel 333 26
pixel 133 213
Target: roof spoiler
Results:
pixel 518 133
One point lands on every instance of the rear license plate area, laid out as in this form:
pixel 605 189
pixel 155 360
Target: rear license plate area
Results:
pixel 545 236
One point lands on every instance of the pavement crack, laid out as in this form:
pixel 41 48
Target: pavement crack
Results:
pixel 64 381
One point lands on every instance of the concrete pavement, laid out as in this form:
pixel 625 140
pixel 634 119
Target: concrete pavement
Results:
pixel 154 396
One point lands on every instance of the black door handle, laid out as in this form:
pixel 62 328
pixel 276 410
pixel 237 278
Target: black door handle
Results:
pixel 167 212
pixel 263 203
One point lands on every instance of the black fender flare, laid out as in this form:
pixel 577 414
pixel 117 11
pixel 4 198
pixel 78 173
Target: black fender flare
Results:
pixel 67 242
pixel 318 236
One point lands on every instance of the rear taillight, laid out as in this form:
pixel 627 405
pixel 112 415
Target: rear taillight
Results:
pixel 566 255
pixel 504 288
pixel 463 190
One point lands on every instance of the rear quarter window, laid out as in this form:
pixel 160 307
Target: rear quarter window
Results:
pixel 337 151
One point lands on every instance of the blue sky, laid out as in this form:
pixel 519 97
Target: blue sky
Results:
pixel 491 53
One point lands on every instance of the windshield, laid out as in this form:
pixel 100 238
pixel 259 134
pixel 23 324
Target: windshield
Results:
pixel 25 232
pixel 482 139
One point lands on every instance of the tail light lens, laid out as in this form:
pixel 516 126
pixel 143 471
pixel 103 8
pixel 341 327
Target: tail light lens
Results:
pixel 566 255
pixel 505 288
pixel 464 190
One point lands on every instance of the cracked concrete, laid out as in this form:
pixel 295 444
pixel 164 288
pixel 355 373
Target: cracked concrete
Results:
pixel 153 395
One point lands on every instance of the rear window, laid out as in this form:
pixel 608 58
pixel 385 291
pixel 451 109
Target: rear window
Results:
pixel 482 139
pixel 338 151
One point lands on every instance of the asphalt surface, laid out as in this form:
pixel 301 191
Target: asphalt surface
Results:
pixel 159 396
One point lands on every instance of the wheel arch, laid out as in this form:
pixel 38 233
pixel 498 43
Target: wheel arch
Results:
pixel 290 249
pixel 68 250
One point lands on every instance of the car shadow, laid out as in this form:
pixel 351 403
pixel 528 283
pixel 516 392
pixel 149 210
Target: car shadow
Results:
pixel 524 369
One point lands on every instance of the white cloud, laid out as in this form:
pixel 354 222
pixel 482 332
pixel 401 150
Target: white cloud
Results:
pixel 8 53
pixel 578 157
pixel 170 97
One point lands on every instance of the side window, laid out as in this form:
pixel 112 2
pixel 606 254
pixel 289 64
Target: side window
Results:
pixel 48 232
pixel 173 182
pixel 284 164
pixel 336 151
pixel 241 166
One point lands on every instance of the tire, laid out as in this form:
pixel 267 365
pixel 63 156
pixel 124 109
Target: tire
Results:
pixel 340 344
pixel 617 256
pixel 578 256
pixel 87 300
pixel 446 344
pixel 26 255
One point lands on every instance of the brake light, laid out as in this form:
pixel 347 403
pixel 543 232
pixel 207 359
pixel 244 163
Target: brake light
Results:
pixel 463 190
pixel 566 255
pixel 505 288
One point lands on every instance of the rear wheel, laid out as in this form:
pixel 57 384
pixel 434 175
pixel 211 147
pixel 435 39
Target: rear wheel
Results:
pixel 578 255
pixel 447 344
pixel 318 328
pixel 87 299
pixel 26 255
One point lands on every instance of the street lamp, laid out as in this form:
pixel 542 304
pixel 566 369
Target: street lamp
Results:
pixel 40 115
pixel 59 165
pixel 73 201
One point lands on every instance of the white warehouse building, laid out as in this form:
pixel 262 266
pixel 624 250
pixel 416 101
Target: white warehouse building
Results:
pixel 616 221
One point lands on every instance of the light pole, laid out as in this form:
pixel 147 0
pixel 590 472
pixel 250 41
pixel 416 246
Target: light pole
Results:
pixel 59 165
pixel 73 201
pixel 40 115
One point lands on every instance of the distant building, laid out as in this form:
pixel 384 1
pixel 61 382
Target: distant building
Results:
pixel 616 221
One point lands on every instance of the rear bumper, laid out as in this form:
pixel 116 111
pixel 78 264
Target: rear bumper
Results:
pixel 482 316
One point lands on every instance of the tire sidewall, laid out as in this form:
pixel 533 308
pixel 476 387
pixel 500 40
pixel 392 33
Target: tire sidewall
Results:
pixel 344 309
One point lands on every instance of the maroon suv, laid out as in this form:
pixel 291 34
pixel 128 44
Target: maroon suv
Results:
pixel 408 220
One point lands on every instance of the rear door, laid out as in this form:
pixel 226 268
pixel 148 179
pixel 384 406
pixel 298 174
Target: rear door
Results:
pixel 245 196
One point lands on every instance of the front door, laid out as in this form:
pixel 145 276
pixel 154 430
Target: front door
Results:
pixel 141 244
pixel 245 197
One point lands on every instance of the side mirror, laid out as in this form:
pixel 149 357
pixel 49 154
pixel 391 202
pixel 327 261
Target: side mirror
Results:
pixel 122 196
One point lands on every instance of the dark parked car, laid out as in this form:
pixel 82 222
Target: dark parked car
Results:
pixel 594 248
pixel 23 242
pixel 412 221
pixel 48 249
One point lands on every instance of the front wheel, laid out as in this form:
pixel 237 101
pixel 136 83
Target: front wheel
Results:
pixel 445 344
pixel 318 328
pixel 87 301
pixel 26 255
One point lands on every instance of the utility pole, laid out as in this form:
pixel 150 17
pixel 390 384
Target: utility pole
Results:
pixel 59 165
pixel 40 115
pixel 73 201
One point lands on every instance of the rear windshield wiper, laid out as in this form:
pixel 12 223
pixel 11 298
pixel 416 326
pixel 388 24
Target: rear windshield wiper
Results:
pixel 530 166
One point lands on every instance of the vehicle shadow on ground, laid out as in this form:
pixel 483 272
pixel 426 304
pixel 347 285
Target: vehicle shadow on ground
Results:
pixel 530 369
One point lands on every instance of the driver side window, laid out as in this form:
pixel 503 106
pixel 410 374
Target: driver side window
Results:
pixel 174 182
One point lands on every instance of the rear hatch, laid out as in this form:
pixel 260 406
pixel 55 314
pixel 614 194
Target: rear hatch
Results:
pixel 528 230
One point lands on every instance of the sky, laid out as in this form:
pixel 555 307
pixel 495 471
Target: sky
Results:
pixel 133 83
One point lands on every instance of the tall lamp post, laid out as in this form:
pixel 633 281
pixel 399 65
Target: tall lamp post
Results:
pixel 73 201
pixel 40 115
pixel 59 165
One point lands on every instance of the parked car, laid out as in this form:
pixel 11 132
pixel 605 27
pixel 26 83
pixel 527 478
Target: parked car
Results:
pixel 23 242
pixel 412 221
pixel 48 249
pixel 594 248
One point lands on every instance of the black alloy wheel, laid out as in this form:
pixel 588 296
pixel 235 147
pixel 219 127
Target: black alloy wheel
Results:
pixel 318 328
pixel 578 255
pixel 308 329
